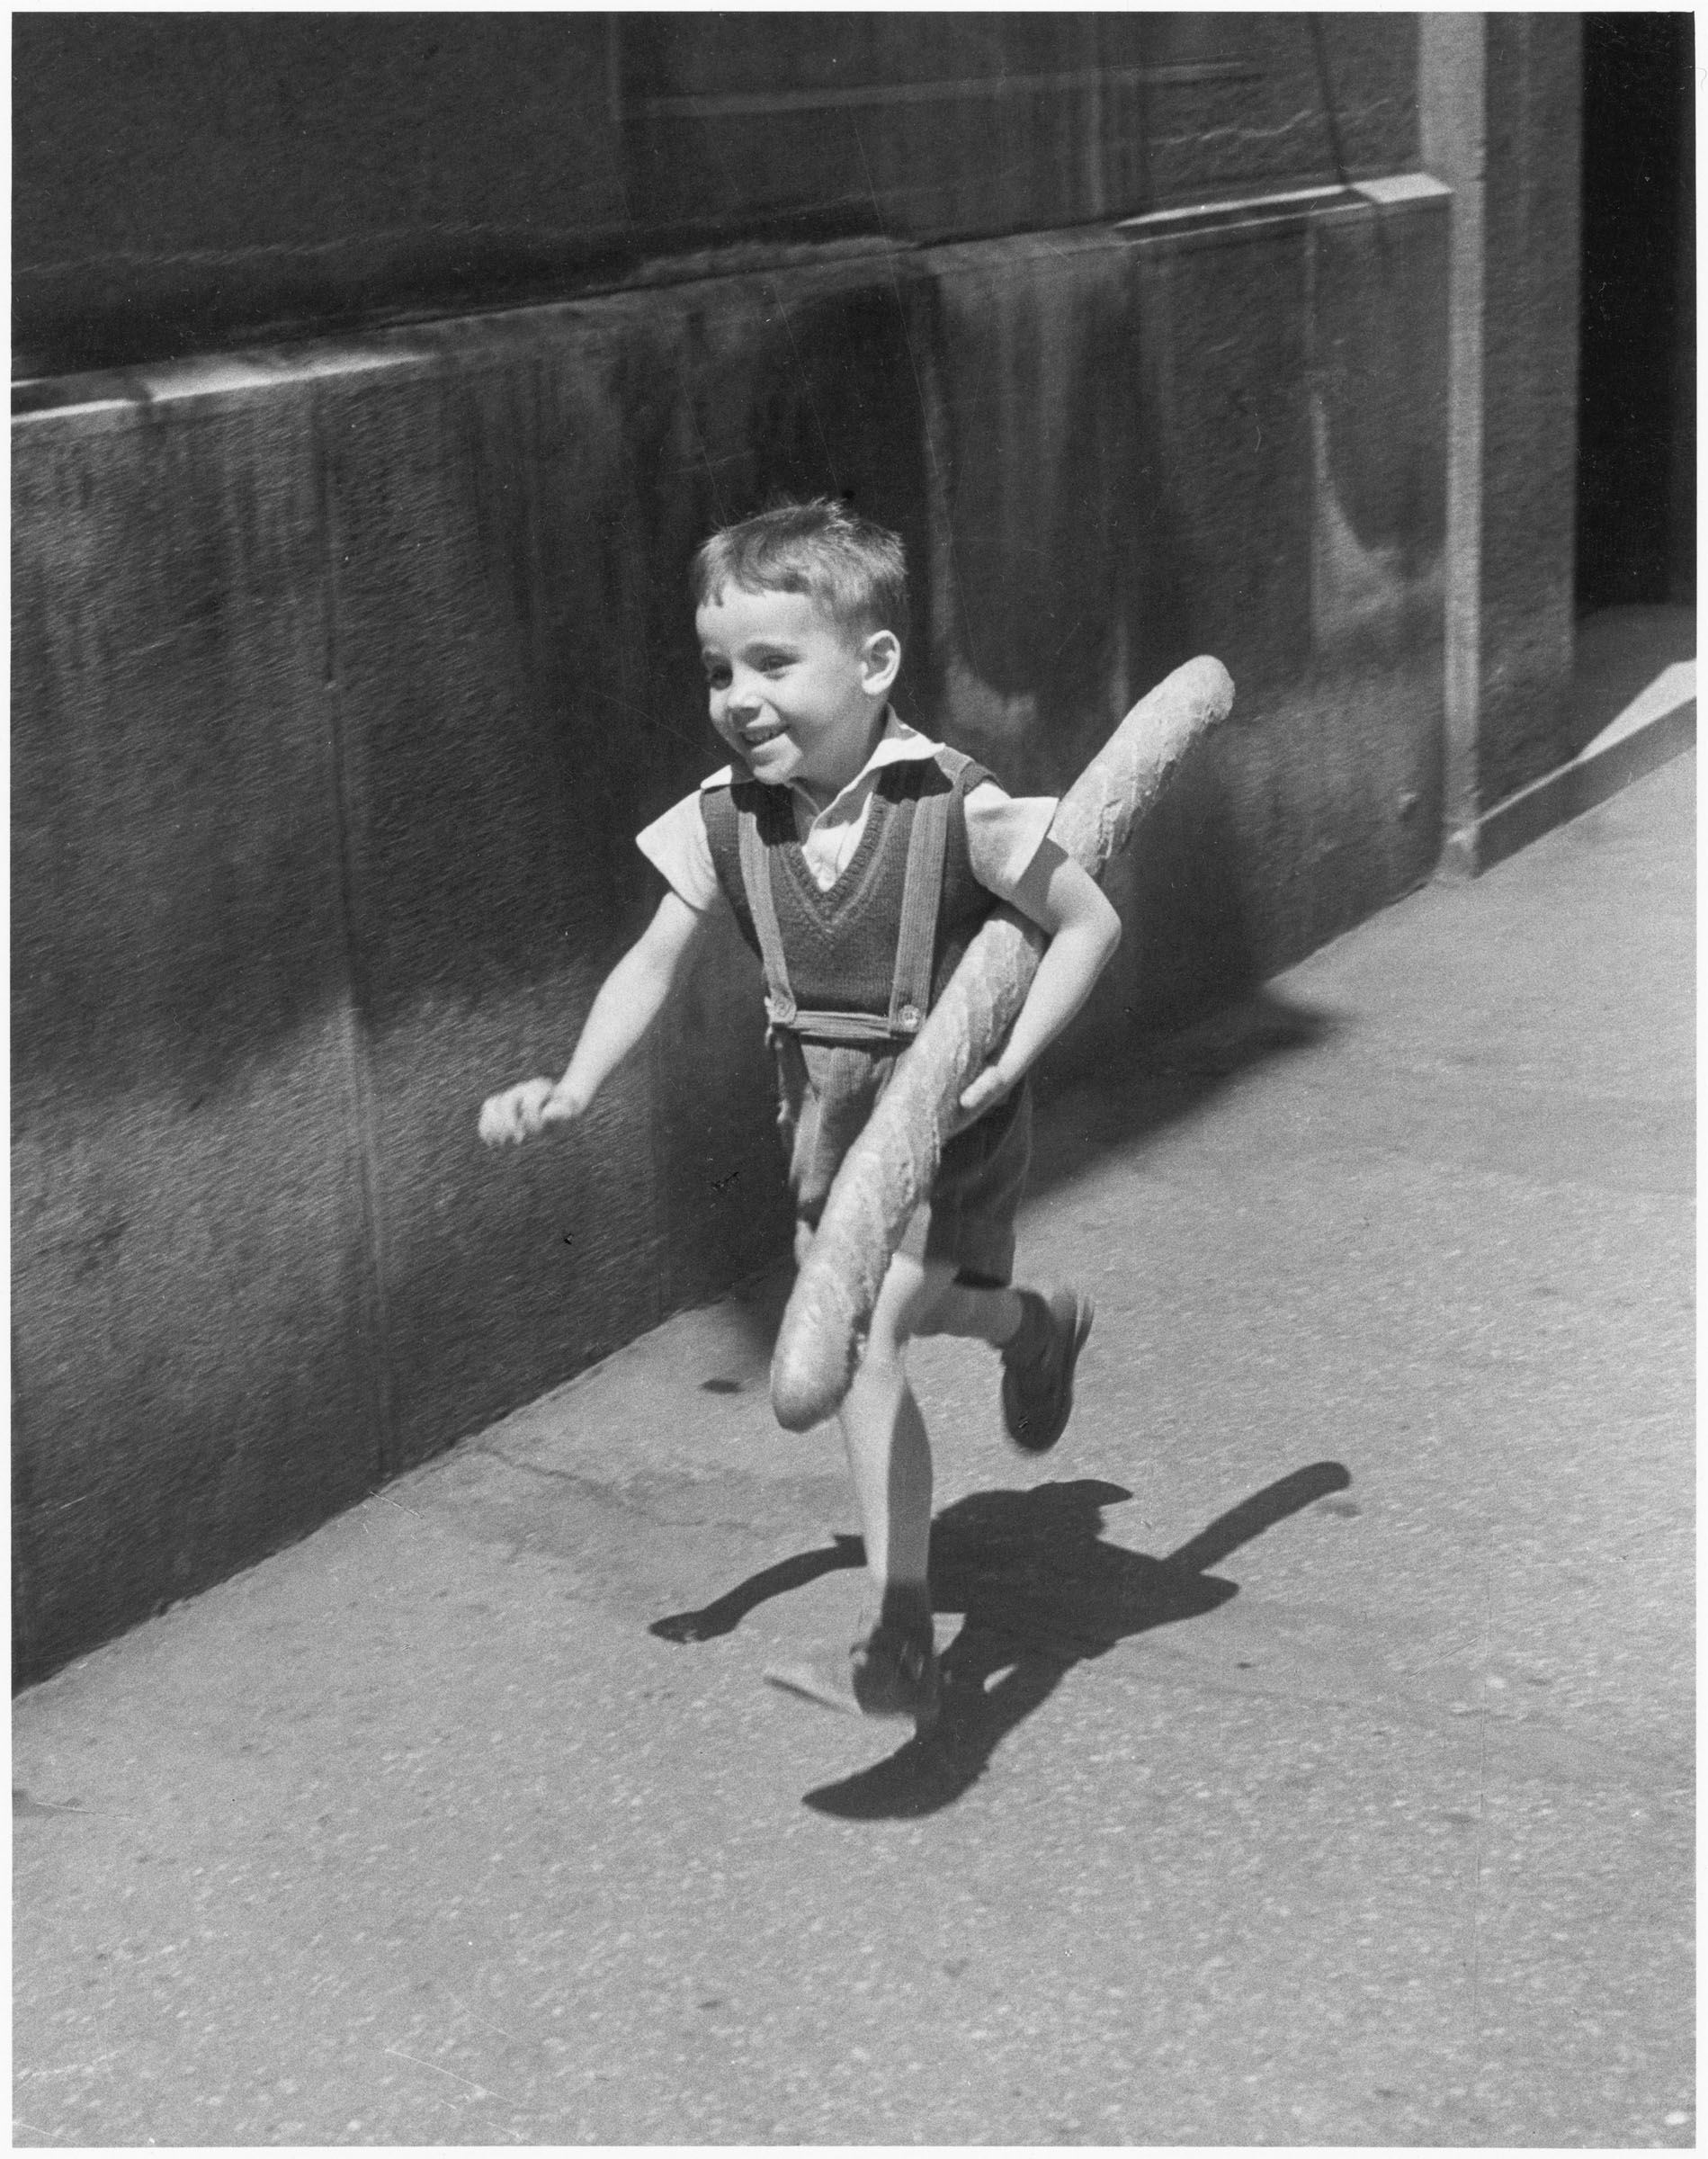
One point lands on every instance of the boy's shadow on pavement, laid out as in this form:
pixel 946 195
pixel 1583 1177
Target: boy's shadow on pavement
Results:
pixel 1041 1593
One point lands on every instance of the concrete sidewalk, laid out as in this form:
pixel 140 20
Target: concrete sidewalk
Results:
pixel 1319 1761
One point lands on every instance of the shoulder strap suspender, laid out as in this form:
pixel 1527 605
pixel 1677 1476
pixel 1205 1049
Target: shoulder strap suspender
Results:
pixel 921 893
pixel 910 992
pixel 756 879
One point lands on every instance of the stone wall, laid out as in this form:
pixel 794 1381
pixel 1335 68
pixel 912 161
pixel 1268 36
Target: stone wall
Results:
pixel 183 182
pixel 343 677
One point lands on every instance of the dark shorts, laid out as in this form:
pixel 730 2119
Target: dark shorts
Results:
pixel 827 1092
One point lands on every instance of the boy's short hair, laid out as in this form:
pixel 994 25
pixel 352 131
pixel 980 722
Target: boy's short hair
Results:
pixel 856 571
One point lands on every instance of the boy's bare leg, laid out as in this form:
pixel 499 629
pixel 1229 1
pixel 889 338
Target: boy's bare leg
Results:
pixel 983 1315
pixel 889 1454
pixel 1039 1338
pixel 894 1669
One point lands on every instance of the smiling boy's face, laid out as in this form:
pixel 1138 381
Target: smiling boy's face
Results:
pixel 795 695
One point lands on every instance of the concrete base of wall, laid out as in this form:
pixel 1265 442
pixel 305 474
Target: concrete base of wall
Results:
pixel 1617 648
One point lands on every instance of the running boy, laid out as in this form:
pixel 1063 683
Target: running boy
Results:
pixel 858 858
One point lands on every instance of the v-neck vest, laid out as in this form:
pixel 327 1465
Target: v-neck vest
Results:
pixel 840 944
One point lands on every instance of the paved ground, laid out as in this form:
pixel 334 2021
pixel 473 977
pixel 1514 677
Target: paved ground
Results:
pixel 1319 1756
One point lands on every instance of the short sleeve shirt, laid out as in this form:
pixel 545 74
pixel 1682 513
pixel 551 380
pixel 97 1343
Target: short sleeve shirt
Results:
pixel 1004 831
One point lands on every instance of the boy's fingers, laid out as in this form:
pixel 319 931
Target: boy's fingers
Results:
pixel 514 1115
pixel 532 1099
pixel 984 1089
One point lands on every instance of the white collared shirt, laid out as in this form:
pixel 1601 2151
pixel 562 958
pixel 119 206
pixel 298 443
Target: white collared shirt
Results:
pixel 1002 830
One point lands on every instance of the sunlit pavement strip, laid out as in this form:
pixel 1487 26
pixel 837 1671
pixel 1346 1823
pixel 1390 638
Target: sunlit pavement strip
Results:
pixel 1673 688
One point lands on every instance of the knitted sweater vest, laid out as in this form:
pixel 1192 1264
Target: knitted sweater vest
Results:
pixel 841 945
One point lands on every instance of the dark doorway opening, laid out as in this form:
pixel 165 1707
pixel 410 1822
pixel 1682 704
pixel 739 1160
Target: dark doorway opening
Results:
pixel 1637 440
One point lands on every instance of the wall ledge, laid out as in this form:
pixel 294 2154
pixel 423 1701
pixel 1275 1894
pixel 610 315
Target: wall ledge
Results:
pixel 120 395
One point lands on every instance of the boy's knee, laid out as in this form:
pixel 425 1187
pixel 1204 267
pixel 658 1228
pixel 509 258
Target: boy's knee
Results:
pixel 912 1291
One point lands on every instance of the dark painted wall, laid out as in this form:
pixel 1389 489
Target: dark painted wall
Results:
pixel 343 677
pixel 181 180
pixel 185 182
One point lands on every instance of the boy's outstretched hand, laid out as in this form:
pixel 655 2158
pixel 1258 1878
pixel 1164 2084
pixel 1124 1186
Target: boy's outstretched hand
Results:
pixel 523 1110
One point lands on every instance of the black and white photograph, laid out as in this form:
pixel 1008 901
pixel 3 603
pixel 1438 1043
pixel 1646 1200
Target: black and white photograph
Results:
pixel 853 1048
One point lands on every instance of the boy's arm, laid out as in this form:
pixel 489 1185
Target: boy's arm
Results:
pixel 630 997
pixel 1084 931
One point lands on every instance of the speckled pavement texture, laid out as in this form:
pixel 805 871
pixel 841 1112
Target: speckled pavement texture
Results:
pixel 1317 1760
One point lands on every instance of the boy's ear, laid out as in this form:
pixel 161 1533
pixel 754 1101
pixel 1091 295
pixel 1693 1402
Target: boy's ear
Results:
pixel 879 662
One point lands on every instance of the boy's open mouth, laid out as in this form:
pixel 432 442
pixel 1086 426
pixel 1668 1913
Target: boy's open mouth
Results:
pixel 756 738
